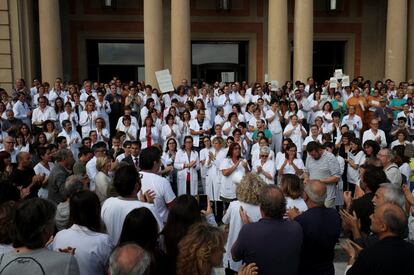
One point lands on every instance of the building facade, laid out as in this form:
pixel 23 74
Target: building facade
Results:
pixel 252 40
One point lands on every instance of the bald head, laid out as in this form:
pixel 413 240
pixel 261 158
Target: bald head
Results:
pixel 316 192
pixel 129 259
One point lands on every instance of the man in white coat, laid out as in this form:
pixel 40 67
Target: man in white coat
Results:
pixel 199 128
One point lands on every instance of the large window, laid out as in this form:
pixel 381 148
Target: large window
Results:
pixel 219 61
pixel 109 58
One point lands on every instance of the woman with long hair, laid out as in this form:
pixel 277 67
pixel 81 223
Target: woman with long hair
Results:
pixel 185 125
pixel 168 159
pixel 148 134
pixel 296 132
pixel 200 250
pixel 204 153
pixel 292 189
pixel 170 129
pixel 187 163
pixel 356 157
pixel 247 194
pixel 140 227
pixel 87 119
pixel 127 128
pixel 93 248
pixel 371 148
pixel 44 167
pixel 232 169
pixel 50 131
pixel 149 105
pixel 213 181
pixel 102 178
pixel 183 214
pixel 59 109
pixel 231 124
pixel 293 109
pixel 27 134
pixel 291 163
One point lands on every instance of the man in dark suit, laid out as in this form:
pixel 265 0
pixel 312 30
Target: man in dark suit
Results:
pixel 133 159
pixel 391 254
pixel 58 175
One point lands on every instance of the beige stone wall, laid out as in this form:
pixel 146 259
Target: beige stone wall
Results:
pixel 6 74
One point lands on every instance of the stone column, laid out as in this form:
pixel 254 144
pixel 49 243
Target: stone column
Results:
pixel 410 49
pixel 277 41
pixel 50 40
pixel 180 41
pixel 396 40
pixel 303 40
pixel 153 40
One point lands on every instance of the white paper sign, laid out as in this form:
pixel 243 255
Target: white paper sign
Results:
pixel 164 81
pixel 274 85
pixel 338 73
pixel 227 76
pixel 333 82
pixel 267 78
pixel 345 81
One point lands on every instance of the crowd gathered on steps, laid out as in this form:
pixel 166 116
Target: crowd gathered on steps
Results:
pixel 119 178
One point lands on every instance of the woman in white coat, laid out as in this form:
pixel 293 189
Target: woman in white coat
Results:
pixel 170 129
pixel 213 180
pixel 204 155
pixel 264 166
pixel 148 134
pixel 296 132
pixel 248 192
pixel 87 119
pixel 232 168
pixel 187 163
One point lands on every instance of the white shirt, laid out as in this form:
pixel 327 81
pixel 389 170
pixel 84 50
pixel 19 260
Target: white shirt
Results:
pixel 115 210
pixel 232 218
pixel 163 192
pixel 92 248
pixel 299 203
pixel 269 167
pixel 275 127
pixel 134 122
pixel 230 182
pixel 91 171
pixel 369 135
pixel 288 168
pixel 72 117
pixel 350 121
pixel 353 174
pixel 20 110
pixel 40 169
pixel 39 115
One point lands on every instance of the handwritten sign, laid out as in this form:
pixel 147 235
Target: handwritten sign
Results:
pixel 164 81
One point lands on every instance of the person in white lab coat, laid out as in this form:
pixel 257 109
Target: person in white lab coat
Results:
pixel 187 163
pixel 170 129
pixel 213 179
pixel 87 119
pixel 148 134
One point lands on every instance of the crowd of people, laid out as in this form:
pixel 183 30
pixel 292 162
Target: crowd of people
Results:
pixel 257 179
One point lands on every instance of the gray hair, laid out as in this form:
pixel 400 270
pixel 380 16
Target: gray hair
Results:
pixel 135 260
pixel 73 184
pixel 265 150
pixel 63 154
pixel 390 153
pixel 393 194
pixel 315 196
pixel 396 220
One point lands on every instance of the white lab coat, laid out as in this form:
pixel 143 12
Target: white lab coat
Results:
pixel 181 159
pixel 143 138
pixel 194 126
pixel 213 179
pixel 87 121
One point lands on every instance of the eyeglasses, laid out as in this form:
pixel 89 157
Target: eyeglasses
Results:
pixel 264 156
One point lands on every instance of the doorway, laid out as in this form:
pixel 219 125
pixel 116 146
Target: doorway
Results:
pixel 327 56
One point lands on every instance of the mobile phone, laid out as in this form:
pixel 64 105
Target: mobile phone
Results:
pixel 202 202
